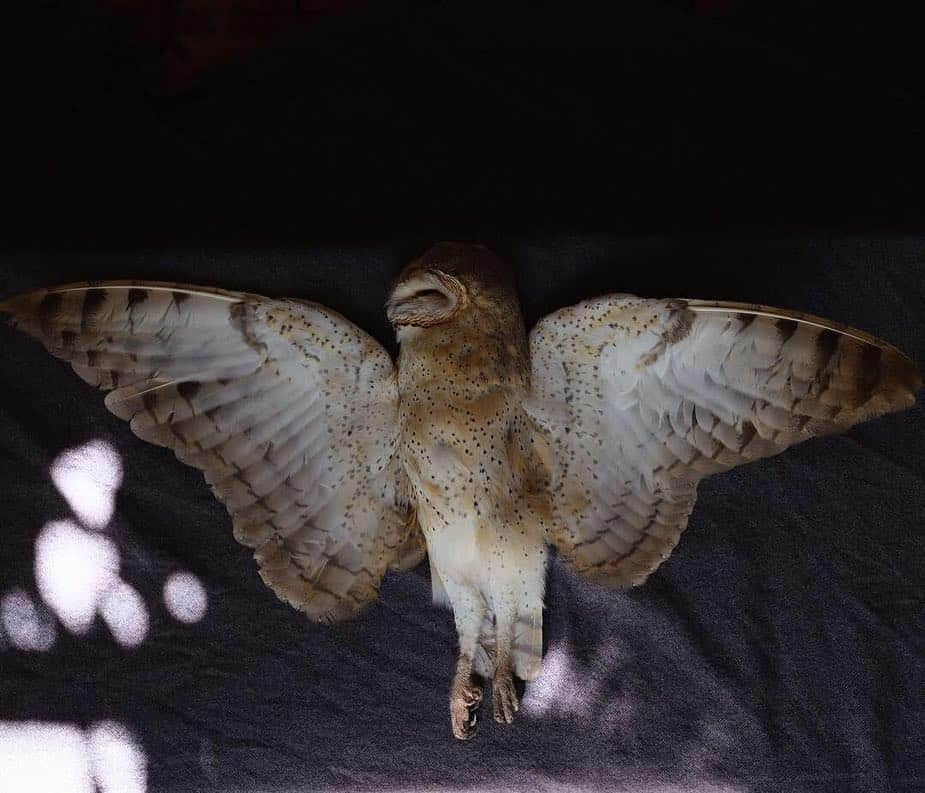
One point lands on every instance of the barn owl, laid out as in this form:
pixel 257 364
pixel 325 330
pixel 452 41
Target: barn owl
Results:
pixel 479 448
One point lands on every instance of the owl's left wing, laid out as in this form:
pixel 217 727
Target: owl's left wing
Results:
pixel 289 410
pixel 635 401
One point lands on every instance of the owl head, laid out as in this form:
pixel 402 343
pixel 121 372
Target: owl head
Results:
pixel 447 282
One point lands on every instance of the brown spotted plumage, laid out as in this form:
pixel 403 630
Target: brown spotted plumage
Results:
pixel 480 448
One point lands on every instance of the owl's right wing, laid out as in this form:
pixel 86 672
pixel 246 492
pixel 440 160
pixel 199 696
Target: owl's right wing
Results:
pixel 635 401
pixel 289 410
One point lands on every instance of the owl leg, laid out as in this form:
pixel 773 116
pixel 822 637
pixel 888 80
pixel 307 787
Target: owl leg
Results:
pixel 517 599
pixel 484 660
pixel 466 691
pixel 504 701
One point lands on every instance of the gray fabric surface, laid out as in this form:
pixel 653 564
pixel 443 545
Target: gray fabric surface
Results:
pixel 780 648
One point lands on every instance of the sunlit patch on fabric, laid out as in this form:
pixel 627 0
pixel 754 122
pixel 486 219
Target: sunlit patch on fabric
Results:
pixel 26 625
pixel 124 612
pixel 74 569
pixel 560 688
pixel 41 756
pixel 118 763
pixel 185 597
pixel 568 691
pixel 49 756
pixel 88 478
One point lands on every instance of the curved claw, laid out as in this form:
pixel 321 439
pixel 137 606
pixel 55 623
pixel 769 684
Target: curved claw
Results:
pixel 465 699
pixel 504 701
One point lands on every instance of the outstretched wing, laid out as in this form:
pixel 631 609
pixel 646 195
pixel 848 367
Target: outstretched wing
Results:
pixel 288 409
pixel 638 400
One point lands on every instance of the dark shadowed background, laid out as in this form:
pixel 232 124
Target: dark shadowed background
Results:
pixel 770 154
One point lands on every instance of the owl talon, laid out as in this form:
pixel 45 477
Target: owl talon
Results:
pixel 504 700
pixel 472 696
pixel 465 699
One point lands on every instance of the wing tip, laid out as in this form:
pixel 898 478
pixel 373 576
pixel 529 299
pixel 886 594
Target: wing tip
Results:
pixel 890 384
pixel 899 383
pixel 18 307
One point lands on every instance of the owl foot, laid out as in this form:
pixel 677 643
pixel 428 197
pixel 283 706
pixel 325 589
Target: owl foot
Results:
pixel 465 699
pixel 504 702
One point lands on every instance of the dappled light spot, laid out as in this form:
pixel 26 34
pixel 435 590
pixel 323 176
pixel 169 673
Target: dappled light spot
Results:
pixel 88 478
pixel 118 763
pixel 44 757
pixel 27 626
pixel 560 688
pixel 124 612
pixel 62 758
pixel 568 689
pixel 185 597
pixel 74 569
pixel 77 571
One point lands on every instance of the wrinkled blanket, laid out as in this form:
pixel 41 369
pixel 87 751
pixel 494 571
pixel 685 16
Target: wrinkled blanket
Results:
pixel 781 647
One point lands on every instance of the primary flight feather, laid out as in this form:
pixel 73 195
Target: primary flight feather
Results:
pixel 479 448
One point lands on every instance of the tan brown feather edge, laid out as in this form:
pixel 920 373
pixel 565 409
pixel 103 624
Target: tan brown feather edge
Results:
pixel 9 306
pixel 719 306
pixel 172 286
pixel 910 368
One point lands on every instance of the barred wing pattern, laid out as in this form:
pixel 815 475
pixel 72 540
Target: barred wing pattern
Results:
pixel 637 400
pixel 289 410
